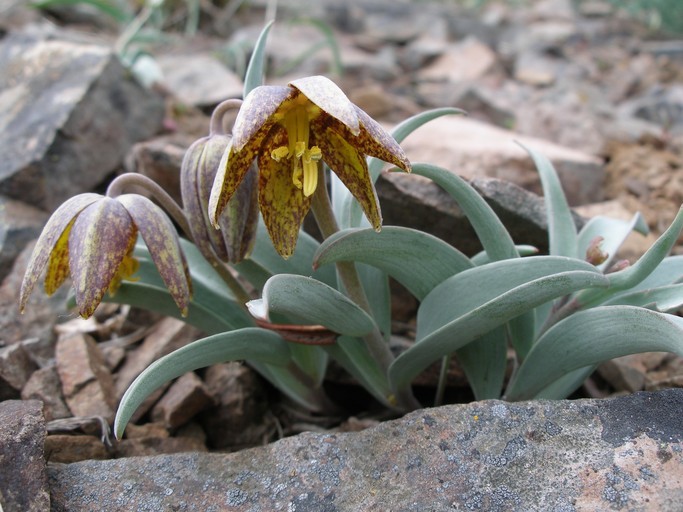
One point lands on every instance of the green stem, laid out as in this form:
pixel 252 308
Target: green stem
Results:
pixel 324 216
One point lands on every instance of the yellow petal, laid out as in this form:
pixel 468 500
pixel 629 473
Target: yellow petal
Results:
pixel 282 204
pixel 351 167
pixel 374 140
pixel 58 266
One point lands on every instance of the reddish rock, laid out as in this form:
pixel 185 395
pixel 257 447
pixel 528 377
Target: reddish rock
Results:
pixel 44 385
pixel 182 401
pixel 15 369
pixel 87 384
pixel 68 449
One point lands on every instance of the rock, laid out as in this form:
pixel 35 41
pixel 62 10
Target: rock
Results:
pixel 15 369
pixel 87 384
pixel 535 69
pixel 42 312
pixel 70 112
pixel 199 79
pixel 160 159
pixel 630 373
pixel 661 105
pixel 475 149
pixel 44 385
pixel 183 400
pixel 154 438
pixel 23 479
pixel 67 449
pixel 241 403
pixel 624 453
pixel 19 225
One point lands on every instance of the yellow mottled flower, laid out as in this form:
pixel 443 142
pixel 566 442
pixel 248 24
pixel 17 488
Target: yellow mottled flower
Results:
pixel 91 237
pixel 289 131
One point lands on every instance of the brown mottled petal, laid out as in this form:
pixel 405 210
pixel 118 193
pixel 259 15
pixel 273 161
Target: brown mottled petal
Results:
pixel 282 204
pixel 211 160
pixel 239 220
pixel 162 241
pixel 191 174
pixel 99 240
pixel 255 116
pixel 53 230
pixel 352 169
pixel 330 98
pixel 231 171
pixel 376 141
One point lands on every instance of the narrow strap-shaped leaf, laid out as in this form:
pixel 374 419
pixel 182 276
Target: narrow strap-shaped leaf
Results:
pixel 561 228
pixel 663 299
pixel 484 362
pixel 353 355
pixel 590 337
pixel 471 288
pixel 473 324
pixel 376 286
pixel 565 385
pixel 253 78
pixel 306 300
pixel 482 258
pixel 311 359
pixel 251 343
pixel 491 232
pixel 417 260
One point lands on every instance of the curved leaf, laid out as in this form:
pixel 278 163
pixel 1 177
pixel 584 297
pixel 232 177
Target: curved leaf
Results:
pixel 490 230
pixel 484 362
pixel 463 329
pixel 306 300
pixel 482 258
pixel 253 78
pixel 400 252
pixel 663 299
pixel 561 228
pixel 590 337
pixel 251 343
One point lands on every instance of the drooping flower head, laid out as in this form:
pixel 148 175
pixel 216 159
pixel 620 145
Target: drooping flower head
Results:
pixel 289 131
pixel 91 239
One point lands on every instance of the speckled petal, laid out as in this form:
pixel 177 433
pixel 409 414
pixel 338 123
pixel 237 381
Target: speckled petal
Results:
pixel 330 98
pixel 55 227
pixel 376 141
pixel 231 171
pixel 239 221
pixel 99 240
pixel 256 115
pixel 58 265
pixel 282 204
pixel 162 241
pixel 352 168
pixel 191 171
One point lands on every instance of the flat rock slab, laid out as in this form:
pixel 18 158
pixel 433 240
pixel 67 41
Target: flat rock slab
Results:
pixel 619 454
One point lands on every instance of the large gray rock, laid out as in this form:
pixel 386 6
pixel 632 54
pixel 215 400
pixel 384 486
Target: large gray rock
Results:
pixel 20 224
pixel 23 480
pixel 620 454
pixel 68 114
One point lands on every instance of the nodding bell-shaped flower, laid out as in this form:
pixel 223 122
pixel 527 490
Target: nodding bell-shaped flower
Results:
pixel 239 220
pixel 289 131
pixel 91 239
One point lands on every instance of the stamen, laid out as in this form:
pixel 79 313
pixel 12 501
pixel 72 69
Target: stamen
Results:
pixel 279 153
pixel 310 164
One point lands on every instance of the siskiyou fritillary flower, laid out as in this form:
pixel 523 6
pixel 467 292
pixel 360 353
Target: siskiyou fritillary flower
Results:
pixel 289 130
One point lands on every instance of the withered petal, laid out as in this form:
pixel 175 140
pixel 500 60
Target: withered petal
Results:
pixel 352 169
pixel 255 116
pixel 231 171
pixel 327 95
pixel 99 239
pixel 53 230
pixel 239 221
pixel 282 204
pixel 161 238
pixel 58 265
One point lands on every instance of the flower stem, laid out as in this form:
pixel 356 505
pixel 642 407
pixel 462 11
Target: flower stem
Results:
pixel 119 184
pixel 216 126
pixel 324 216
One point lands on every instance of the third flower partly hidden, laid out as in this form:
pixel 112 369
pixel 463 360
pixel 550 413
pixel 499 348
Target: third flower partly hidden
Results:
pixel 289 131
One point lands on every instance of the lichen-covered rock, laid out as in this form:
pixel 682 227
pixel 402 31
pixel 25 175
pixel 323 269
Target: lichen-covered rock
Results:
pixel 23 481
pixel 620 454
pixel 68 114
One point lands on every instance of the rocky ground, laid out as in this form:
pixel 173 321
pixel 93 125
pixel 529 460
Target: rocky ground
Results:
pixel 598 93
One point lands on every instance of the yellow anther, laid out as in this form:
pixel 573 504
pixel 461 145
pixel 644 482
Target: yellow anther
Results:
pixel 279 153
